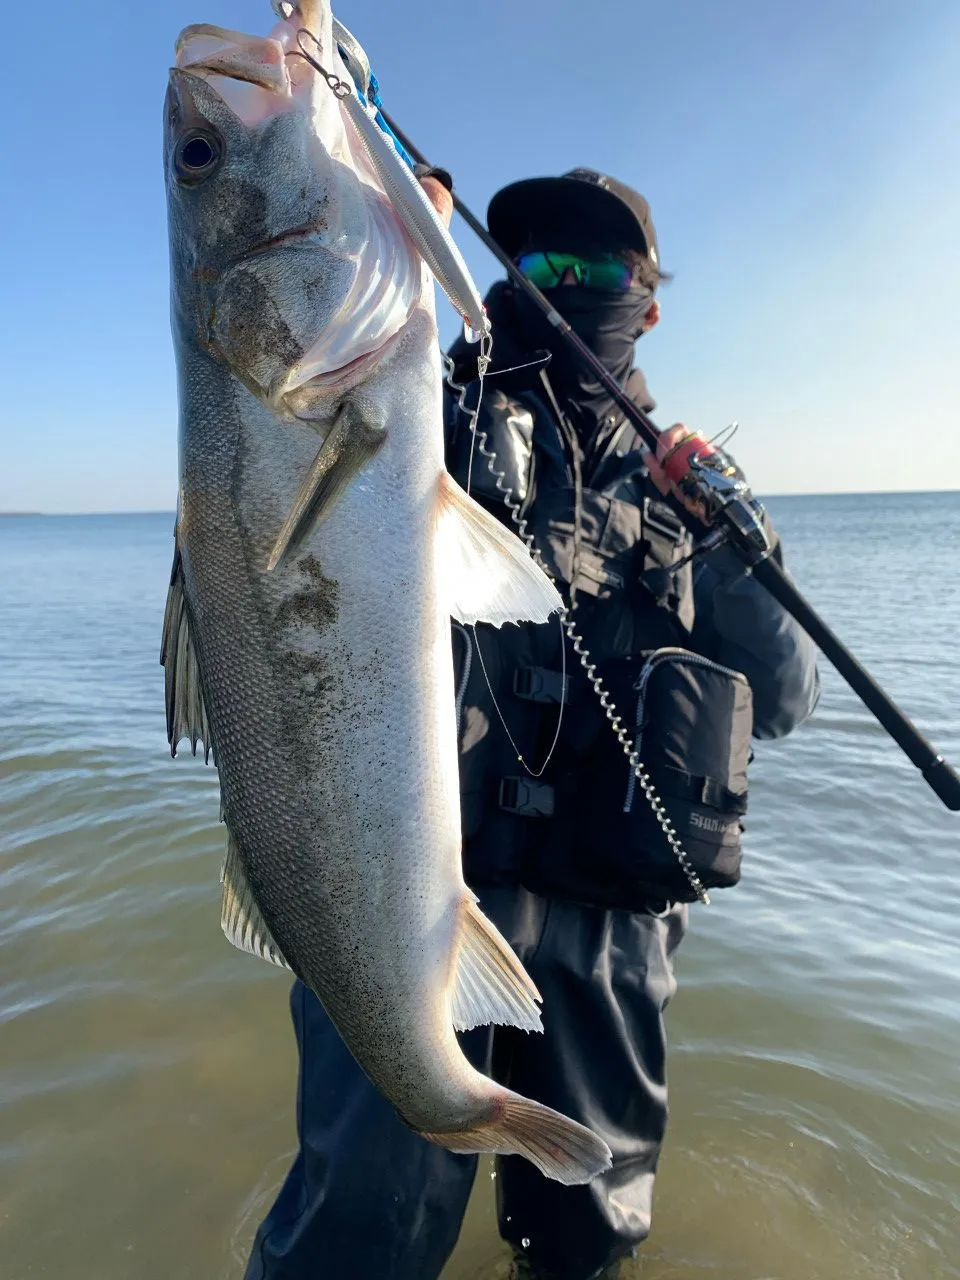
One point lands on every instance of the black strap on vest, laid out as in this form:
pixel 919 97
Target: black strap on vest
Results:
pixel 537 799
pixel 539 684
pixel 569 434
pixel 706 791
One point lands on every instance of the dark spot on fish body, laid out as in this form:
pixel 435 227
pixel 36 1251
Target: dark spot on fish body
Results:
pixel 310 565
pixel 371 667
pixel 316 609
pixel 311 676
pixel 317 606
pixel 254 328
pixel 242 214
pixel 314 290
pixel 299 665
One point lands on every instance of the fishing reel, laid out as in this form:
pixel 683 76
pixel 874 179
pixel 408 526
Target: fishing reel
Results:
pixel 705 475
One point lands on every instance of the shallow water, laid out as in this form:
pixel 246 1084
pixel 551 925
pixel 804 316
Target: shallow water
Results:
pixel 146 1073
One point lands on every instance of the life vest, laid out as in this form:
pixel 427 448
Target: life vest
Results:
pixel 613 545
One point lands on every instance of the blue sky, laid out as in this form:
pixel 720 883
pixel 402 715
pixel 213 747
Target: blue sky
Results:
pixel 802 161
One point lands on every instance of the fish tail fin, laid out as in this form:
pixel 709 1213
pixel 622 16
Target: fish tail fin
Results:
pixel 561 1148
pixel 485 571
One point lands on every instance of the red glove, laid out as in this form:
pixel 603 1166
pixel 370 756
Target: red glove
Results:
pixel 675 448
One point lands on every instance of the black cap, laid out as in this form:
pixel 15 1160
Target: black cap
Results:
pixel 591 202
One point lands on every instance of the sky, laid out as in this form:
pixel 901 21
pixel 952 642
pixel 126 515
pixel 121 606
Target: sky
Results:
pixel 802 161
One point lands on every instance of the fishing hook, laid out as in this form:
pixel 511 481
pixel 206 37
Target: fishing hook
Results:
pixel 340 88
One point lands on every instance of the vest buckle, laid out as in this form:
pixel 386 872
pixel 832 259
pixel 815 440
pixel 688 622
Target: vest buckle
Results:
pixel 529 799
pixel 538 684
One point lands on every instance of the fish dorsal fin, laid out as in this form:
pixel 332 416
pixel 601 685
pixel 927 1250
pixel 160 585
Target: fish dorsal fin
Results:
pixel 492 986
pixel 486 572
pixel 240 917
pixel 186 714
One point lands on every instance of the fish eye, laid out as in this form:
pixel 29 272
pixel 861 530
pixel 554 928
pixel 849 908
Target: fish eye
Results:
pixel 197 156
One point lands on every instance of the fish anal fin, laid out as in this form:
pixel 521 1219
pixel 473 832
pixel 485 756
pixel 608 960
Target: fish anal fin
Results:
pixel 561 1148
pixel 240 916
pixel 491 985
pixel 183 689
pixel 350 444
pixel 485 571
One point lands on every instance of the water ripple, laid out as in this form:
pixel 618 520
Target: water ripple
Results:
pixel 146 1084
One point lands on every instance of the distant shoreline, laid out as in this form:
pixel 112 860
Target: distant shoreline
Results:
pixel 862 493
pixel 83 515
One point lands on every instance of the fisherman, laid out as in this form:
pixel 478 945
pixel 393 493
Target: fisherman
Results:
pixel 560 842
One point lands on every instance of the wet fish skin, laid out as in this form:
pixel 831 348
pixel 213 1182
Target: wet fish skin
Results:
pixel 221 300
pixel 327 679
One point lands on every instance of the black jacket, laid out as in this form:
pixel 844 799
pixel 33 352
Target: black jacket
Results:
pixel 610 541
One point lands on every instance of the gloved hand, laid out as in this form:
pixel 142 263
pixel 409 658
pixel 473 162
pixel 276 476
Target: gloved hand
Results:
pixel 675 447
pixel 438 185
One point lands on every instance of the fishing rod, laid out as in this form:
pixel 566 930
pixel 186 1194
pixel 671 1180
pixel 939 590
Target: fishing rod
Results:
pixel 733 516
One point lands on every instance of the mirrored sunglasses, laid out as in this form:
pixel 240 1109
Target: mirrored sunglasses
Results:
pixel 547 269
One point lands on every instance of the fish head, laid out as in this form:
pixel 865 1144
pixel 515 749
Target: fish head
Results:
pixel 275 229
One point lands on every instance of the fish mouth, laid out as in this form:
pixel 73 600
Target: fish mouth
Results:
pixel 257 76
pixel 215 51
pixel 252 74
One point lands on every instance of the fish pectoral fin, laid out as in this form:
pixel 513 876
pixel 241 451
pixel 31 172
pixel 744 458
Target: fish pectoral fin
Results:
pixel 183 691
pixel 492 986
pixel 350 444
pixel 240 917
pixel 485 570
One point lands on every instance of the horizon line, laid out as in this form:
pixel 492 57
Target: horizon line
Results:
pixel 171 511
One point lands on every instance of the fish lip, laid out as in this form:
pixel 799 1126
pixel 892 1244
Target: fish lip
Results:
pixel 207 29
pixel 202 69
pixel 214 65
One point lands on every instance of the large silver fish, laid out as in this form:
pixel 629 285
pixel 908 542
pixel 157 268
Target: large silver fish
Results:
pixel 321 549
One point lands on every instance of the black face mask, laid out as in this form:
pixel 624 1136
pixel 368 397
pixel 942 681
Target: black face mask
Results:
pixel 609 321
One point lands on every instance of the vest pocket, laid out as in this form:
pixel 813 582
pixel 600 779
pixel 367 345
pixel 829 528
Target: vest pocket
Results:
pixel 692 725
